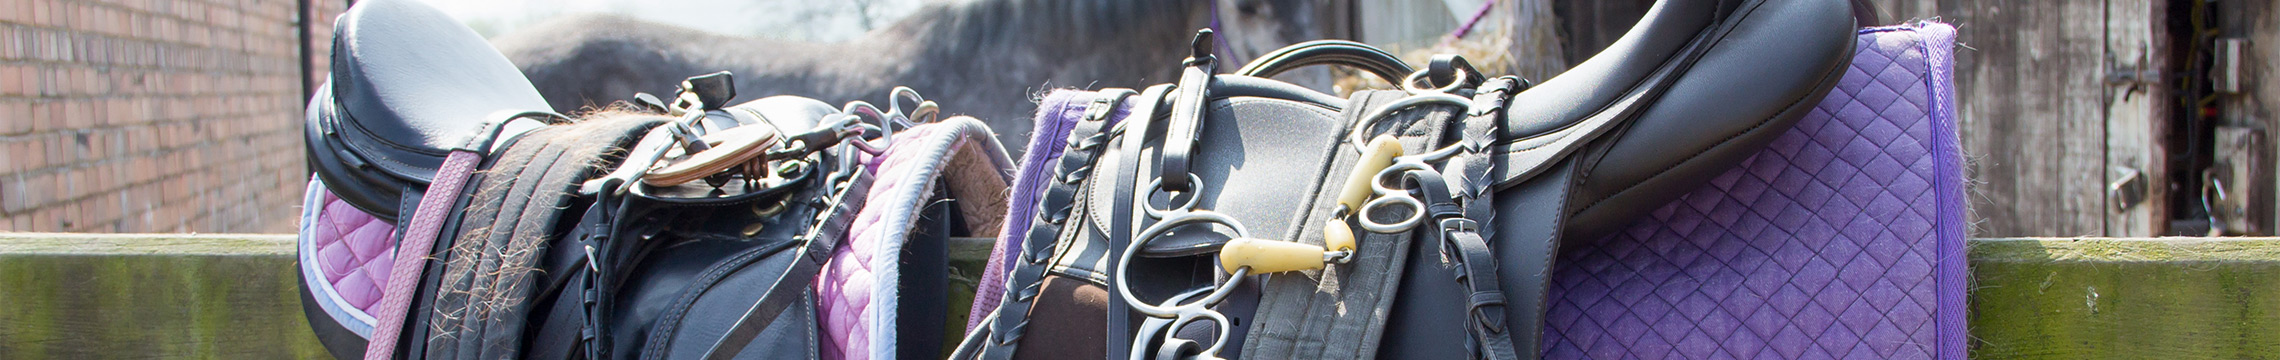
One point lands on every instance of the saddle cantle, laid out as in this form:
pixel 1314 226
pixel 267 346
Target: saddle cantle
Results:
pixel 409 85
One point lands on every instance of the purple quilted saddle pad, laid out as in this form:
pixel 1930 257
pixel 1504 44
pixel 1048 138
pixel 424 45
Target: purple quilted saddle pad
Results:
pixel 345 256
pixel 857 292
pixel 1843 239
pixel 1057 115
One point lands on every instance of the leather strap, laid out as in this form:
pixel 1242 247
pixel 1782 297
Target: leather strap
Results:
pixel 1341 311
pixel 1088 140
pixel 1488 301
pixel 1187 117
pixel 1128 192
pixel 1476 268
pixel 831 226
pixel 1471 167
pixel 418 245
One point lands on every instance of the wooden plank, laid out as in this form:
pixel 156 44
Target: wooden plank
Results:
pixel 2167 298
pixel 2136 110
pixel 2255 111
pixel 2031 106
pixel 151 296
pixel 235 296
pixel 145 244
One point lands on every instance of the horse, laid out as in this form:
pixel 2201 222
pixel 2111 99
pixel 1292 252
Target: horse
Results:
pixel 985 58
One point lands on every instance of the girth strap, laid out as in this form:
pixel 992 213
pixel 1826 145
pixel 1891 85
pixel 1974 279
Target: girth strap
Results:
pixel 1341 312
pixel 831 226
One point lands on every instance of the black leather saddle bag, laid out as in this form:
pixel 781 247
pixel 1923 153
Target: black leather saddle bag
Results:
pixel 1232 215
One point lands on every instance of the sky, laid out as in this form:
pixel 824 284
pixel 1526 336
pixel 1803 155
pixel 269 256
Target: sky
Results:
pixel 812 20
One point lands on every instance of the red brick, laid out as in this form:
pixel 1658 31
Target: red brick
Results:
pixel 38 14
pixel 15 118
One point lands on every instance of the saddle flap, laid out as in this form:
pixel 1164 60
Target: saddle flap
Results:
pixel 408 85
pixel 1694 87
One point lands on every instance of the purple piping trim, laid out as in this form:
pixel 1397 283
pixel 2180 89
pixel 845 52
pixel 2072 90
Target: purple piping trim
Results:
pixel 1057 115
pixel 1939 44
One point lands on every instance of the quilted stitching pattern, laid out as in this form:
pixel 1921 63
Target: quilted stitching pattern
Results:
pixel 843 288
pixel 1822 246
pixel 353 250
pixel 855 290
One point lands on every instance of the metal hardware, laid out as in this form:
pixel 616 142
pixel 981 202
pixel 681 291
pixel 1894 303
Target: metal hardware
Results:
pixel 1180 309
pixel 2224 75
pixel 1397 196
pixel 1156 186
pixel 2127 189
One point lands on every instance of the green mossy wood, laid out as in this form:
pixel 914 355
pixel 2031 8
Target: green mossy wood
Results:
pixel 233 297
pixel 2105 298
pixel 73 296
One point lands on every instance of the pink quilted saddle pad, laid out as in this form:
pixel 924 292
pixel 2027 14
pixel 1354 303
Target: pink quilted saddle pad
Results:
pixel 344 256
pixel 1843 239
pixel 857 292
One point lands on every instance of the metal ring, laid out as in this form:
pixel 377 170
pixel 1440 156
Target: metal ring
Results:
pixel 1370 120
pixel 1408 83
pixel 1150 335
pixel 1158 229
pixel 1157 186
pixel 1416 213
pixel 1393 196
pixel 923 108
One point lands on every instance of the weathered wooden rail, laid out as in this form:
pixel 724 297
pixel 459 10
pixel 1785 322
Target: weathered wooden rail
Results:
pixel 232 296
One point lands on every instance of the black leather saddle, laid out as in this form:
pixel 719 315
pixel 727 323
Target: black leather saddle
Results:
pixel 408 86
pixel 1693 88
pixel 521 234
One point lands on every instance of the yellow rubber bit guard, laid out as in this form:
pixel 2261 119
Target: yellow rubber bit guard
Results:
pixel 1376 157
pixel 1338 237
pixel 1269 256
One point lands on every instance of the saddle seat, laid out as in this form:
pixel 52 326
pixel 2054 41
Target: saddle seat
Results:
pixel 408 85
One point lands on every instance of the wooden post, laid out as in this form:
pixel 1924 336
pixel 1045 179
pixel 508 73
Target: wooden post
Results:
pixel 2137 105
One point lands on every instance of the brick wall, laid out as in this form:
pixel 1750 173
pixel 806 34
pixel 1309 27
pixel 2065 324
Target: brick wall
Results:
pixel 153 115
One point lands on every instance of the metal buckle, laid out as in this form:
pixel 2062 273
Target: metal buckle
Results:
pixel 1455 224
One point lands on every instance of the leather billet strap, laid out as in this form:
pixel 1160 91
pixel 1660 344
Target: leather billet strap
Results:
pixel 1187 117
pixel 1471 168
pixel 817 244
pixel 1137 130
pixel 1476 267
pixel 1488 303
pixel 1091 137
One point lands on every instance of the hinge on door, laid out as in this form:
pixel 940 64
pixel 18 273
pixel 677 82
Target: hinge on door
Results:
pixel 2132 76
pixel 2127 190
